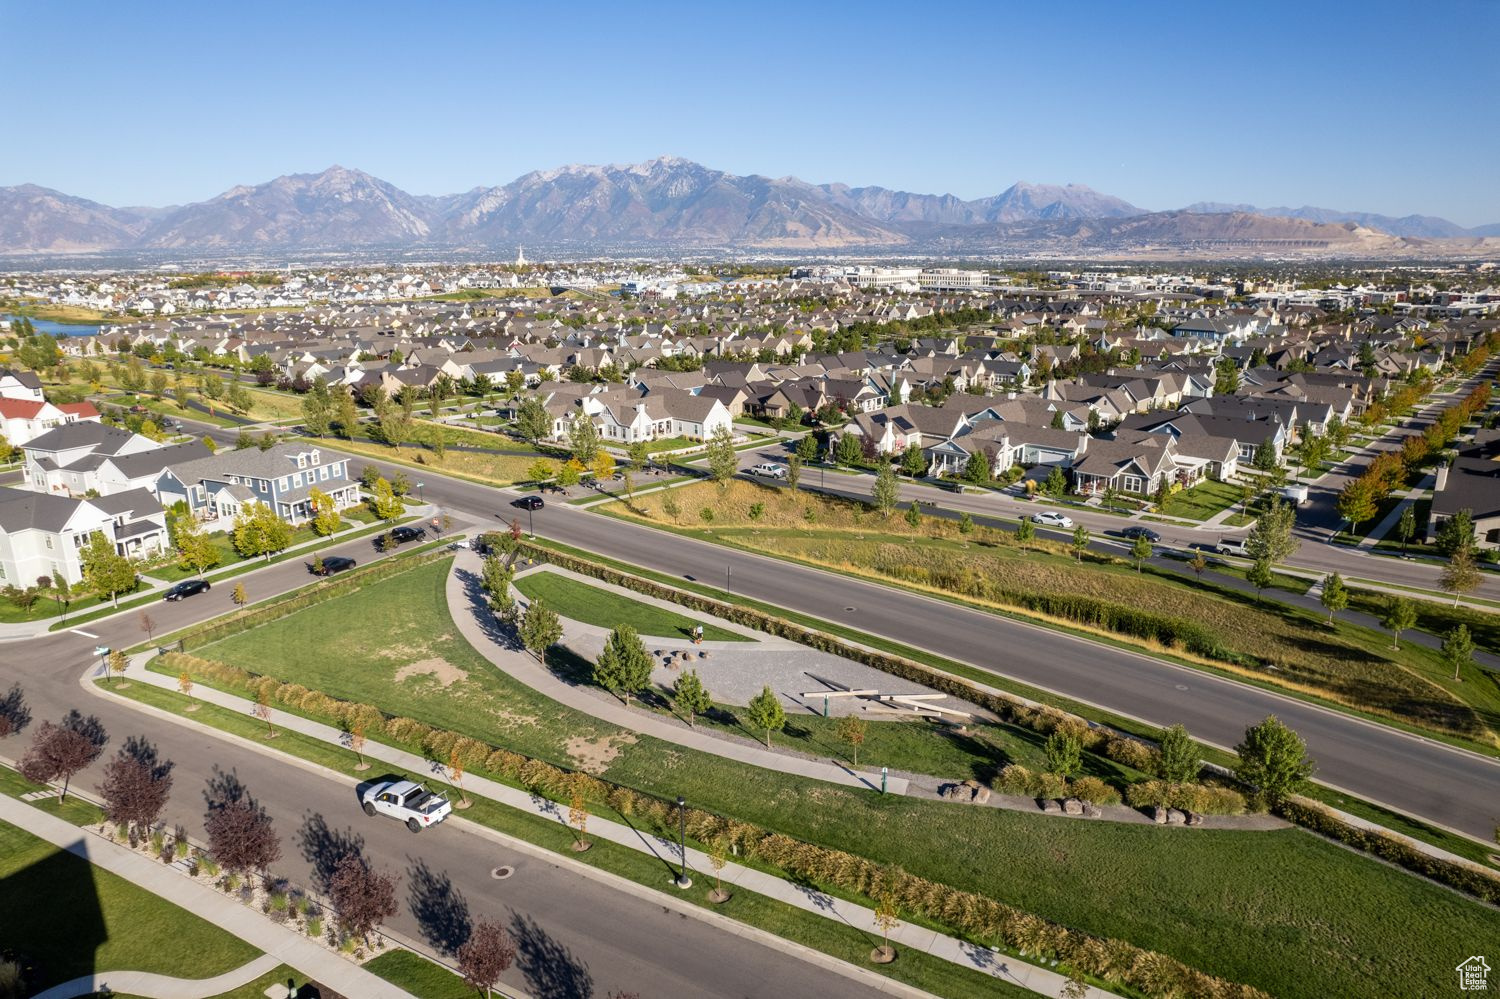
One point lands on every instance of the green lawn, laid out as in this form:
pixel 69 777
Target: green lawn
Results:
pixel 74 810
pixel 1222 901
pixel 81 918
pixel 419 976
pixel 1202 501
pixel 607 609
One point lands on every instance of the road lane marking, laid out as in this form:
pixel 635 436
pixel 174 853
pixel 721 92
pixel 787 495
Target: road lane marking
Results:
pixel 85 634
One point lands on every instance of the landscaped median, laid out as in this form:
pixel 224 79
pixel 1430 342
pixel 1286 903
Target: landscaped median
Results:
pixel 1173 890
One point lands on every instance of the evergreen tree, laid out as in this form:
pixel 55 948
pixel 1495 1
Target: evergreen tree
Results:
pixel 624 667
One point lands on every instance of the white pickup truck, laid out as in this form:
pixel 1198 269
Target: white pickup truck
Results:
pixel 406 801
pixel 769 470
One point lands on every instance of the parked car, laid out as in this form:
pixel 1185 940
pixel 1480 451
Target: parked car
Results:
pixel 1141 532
pixel 406 801
pixel 769 470
pixel 187 588
pixel 333 564
pixel 1051 518
pixel 1232 546
pixel 401 535
pixel 529 503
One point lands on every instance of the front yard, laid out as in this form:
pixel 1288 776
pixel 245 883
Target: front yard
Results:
pixel 1203 501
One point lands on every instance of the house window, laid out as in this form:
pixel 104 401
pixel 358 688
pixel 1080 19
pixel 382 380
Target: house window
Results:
pixel 49 542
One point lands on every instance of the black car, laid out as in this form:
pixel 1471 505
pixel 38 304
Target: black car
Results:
pixel 529 503
pixel 333 564
pixel 187 588
pixel 1141 532
pixel 401 535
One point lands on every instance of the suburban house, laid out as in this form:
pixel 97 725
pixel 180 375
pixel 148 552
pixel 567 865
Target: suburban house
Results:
pixel 1471 483
pixel 23 420
pixel 1138 465
pixel 44 533
pixel 217 487
pixel 65 458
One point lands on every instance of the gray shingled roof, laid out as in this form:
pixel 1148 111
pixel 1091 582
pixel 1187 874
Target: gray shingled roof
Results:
pixel 104 438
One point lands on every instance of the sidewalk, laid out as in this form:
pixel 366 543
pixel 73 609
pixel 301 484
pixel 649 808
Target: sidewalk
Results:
pixel 1388 524
pixel 972 956
pixel 277 942
pixel 143 983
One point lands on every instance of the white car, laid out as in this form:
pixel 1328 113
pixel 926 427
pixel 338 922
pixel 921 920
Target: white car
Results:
pixel 1052 518
pixel 769 470
pixel 1232 546
pixel 406 801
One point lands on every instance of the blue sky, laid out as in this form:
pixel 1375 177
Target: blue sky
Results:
pixel 1387 107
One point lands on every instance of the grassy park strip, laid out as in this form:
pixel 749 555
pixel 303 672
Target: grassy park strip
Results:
pixel 98 920
pixel 1173 893
pixel 605 609
pixel 430 981
pixel 1287 648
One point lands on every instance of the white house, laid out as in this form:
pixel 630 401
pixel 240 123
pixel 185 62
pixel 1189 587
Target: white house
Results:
pixel 42 534
pixel 66 458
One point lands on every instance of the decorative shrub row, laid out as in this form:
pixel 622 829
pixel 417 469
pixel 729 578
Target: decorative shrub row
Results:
pixel 1468 878
pixel 1016 779
pixel 1205 799
pixel 974 915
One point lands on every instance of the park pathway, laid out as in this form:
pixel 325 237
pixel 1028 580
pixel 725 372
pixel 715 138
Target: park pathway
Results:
pixel 150 986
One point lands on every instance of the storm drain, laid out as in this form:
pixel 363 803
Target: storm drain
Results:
pixel 501 873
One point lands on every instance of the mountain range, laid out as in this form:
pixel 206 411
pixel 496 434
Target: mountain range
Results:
pixel 670 202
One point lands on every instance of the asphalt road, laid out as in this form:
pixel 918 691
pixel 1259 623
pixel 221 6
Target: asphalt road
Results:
pixel 576 937
pixel 1455 788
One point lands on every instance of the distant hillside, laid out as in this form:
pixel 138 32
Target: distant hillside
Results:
pixel 675 203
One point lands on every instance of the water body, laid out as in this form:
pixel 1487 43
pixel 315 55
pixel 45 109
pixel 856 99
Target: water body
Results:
pixel 59 329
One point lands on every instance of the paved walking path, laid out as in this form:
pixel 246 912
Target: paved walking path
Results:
pixel 143 983
pixel 1388 524
pixel 477 624
pixel 808 899
pixel 281 945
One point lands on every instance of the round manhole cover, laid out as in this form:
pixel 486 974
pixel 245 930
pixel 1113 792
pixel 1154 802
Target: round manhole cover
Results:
pixel 501 873
pixel 1182 686
pixel 851 609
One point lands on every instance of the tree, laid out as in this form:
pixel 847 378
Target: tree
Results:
pixel 195 550
pixel 58 751
pixel 965 523
pixel 886 491
pixel 326 518
pixel 495 579
pixel 578 810
pixel 569 473
pixel 691 696
pixel 624 667
pixel 241 837
pixel 1056 482
pixel 317 410
pixel 1259 576
pixel 259 531
pixel 793 471
pixel 533 422
pixel 14 713
pixel 1025 532
pixel 117 663
pixel 540 628
pixel 1458 648
pixel 913 461
pixel 1460 575
pixel 239 596
pixel 807 447
pixel 383 501
pixel 361 897
pixel 765 712
pixel 485 956
pixel 1064 752
pixel 583 439
pixel 136 785
pixel 1080 541
pixel 185 685
pixel 1198 563
pixel 107 572
pixel 1273 760
pixel 540 470
pixel 396 420
pixel 262 709
pixel 604 466
pixel 1264 457
pixel 1406 527
pixel 913 515
pixel 1400 614
pixel 1271 537
pixel 887 914
pixel 1454 533
pixel 147 623
pixel 1356 503
pixel 1177 758
pixel 239 398
pixel 1140 550
pixel 1226 377
pixel 345 413
pixel 723 462
pixel 847 451
pixel 1335 595
pixel 977 468
pixel 851 730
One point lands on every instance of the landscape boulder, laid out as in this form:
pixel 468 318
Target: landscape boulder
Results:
pixel 1052 805
pixel 1159 814
pixel 1195 818
pixel 1072 806
pixel 1176 817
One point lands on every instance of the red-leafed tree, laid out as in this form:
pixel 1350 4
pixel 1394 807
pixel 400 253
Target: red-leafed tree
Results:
pixel 362 897
pixel 58 752
pixel 240 835
pixel 137 783
pixel 484 957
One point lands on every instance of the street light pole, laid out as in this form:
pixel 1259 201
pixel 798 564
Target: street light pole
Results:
pixel 727 588
pixel 683 881
pixel 420 497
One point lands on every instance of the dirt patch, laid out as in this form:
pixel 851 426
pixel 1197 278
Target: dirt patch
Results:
pixel 511 719
pixel 594 756
pixel 442 670
pixel 410 651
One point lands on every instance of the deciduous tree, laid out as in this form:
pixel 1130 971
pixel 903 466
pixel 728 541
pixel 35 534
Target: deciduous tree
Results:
pixel 852 730
pixel 57 752
pixel 691 696
pixel 1335 595
pixel 886 491
pixel 1273 760
pixel 1177 758
pixel 1400 614
pixel 1460 575
pixel 540 628
pixel 583 439
pixel 136 785
pixel 624 667
pixel 485 956
pixel 1064 752
pixel 765 712
pixel 723 461
pixel 326 518
pixel 1458 648
pixel 241 837
pixel 533 422
pixel 107 572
